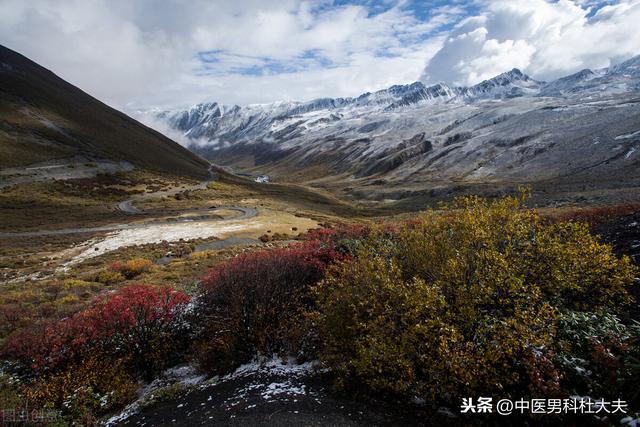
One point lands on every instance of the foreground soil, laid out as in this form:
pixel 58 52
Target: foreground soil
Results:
pixel 273 394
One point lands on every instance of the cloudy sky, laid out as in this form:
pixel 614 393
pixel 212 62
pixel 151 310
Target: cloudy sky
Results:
pixel 152 53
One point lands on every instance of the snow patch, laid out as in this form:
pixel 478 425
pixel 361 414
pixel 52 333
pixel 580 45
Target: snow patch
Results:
pixel 275 366
pixel 628 135
pixel 186 375
pixel 286 387
pixel 269 378
pixel 155 233
pixel 629 153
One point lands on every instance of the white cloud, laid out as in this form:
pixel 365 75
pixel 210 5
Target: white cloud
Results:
pixel 545 39
pixel 89 44
pixel 144 53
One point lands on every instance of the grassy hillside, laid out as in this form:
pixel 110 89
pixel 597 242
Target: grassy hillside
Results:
pixel 42 117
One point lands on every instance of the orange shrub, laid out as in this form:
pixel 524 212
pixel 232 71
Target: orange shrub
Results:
pixel 132 268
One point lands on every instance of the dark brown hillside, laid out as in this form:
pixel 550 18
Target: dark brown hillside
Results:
pixel 42 117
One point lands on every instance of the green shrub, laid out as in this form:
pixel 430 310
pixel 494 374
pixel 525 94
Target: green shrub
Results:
pixel 599 355
pixel 109 277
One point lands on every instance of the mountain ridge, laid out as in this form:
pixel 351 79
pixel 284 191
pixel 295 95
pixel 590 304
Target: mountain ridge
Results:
pixel 483 90
pixel 43 118
pixel 396 96
pixel 505 130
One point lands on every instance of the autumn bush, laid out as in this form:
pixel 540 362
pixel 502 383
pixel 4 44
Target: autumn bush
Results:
pixel 97 355
pixel 336 235
pixel 109 277
pixel 85 389
pixel 254 302
pixel 598 215
pixel 137 323
pixel 464 302
pixel 132 268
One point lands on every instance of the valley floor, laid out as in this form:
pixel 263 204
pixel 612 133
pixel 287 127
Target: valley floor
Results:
pixel 72 221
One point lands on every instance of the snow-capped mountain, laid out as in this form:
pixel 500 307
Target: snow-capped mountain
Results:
pixel 571 84
pixel 506 85
pixel 508 128
pixel 217 123
pixel 619 79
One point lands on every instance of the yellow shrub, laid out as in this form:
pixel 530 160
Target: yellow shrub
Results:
pixel 216 186
pixel 85 391
pixel 81 286
pixel 451 304
pixel 67 299
pixel 201 255
pixel 109 277
pixel 134 267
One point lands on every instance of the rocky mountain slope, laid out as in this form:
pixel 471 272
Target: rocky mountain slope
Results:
pixel 579 131
pixel 43 118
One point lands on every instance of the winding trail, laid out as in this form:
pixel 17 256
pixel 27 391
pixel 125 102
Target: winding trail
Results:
pixel 208 214
pixel 245 213
pixel 127 207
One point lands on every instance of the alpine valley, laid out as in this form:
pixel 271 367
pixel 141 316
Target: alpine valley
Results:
pixel 573 139
pixel 378 260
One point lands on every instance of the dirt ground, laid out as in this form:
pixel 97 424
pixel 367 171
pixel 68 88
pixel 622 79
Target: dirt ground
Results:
pixel 272 394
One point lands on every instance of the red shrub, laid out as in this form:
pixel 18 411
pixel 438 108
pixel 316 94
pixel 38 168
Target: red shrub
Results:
pixel 341 231
pixel 136 322
pixel 252 303
pixel 287 268
pixel 542 376
pixel 599 215
pixel 607 358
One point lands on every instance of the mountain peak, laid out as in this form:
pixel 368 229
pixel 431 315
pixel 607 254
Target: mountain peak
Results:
pixel 510 84
pixel 516 72
pixel 513 74
pixel 631 65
